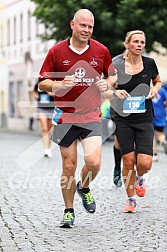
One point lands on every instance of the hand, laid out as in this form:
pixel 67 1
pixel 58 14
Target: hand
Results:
pixel 153 92
pixel 101 84
pixel 69 81
pixel 121 94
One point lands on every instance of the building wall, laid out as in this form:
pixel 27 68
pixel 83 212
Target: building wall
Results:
pixel 21 56
pixel 23 53
pixel 3 66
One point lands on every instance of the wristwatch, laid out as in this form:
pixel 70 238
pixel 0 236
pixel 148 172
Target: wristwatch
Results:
pixel 114 92
pixel 106 88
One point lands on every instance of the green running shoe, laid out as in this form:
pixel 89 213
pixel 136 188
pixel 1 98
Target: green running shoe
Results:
pixel 88 201
pixel 68 220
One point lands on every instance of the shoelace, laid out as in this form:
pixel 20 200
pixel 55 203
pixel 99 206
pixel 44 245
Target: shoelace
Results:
pixel 89 198
pixel 131 202
pixel 68 216
pixel 141 183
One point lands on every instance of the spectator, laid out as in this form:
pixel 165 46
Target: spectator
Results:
pixel 159 105
pixel 45 109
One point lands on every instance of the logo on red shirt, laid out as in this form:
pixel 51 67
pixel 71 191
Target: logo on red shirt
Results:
pixel 93 62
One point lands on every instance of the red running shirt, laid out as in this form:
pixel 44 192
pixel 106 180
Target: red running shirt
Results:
pixel 80 104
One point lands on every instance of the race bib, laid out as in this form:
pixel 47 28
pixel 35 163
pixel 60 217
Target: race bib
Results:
pixel 134 104
pixel 56 116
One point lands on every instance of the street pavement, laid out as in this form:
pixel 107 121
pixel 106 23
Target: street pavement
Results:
pixel 31 205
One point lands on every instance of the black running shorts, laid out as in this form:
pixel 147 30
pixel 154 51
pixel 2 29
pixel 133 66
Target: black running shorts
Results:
pixel 135 136
pixel 64 134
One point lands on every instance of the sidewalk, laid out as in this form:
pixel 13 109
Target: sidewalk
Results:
pixel 31 205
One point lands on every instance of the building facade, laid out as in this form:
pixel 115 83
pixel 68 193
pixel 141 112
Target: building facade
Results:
pixel 21 55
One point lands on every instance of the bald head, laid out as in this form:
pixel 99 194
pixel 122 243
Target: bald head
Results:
pixel 82 27
pixel 83 13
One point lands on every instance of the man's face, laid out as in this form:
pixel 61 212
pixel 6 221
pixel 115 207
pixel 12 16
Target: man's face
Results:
pixel 82 28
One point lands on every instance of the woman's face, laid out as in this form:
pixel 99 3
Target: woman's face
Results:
pixel 136 44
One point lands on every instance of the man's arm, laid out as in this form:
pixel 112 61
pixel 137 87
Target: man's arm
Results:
pixel 54 86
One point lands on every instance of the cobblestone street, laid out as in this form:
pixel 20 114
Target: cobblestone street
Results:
pixel 31 205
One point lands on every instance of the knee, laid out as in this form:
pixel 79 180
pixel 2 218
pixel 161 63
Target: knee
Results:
pixel 93 165
pixel 69 168
pixel 44 131
pixel 129 162
pixel 144 166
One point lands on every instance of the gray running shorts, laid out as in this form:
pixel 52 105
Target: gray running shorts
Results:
pixel 48 112
pixel 66 133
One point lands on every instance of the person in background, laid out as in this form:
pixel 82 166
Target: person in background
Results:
pixel 45 109
pixel 138 83
pixel 117 172
pixel 73 69
pixel 165 128
pixel 107 123
pixel 107 118
pixel 31 111
pixel 117 177
pixel 159 105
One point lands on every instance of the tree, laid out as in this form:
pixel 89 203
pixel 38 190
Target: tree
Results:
pixel 113 18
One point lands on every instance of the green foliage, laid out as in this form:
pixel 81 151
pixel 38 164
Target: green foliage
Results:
pixel 113 18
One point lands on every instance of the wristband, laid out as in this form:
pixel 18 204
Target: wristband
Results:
pixel 106 88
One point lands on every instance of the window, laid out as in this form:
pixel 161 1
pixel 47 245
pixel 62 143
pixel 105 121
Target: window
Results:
pixel 1 36
pixel 37 28
pixel 20 97
pixel 14 35
pixel 11 99
pixel 21 28
pixel 8 32
pixel 29 25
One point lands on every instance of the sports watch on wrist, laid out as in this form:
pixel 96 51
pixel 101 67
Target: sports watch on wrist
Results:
pixel 114 92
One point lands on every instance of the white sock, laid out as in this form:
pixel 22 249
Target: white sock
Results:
pixel 132 197
pixel 139 177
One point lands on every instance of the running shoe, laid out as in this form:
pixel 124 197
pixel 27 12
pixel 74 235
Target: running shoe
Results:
pixel 48 153
pixel 140 187
pixel 130 206
pixel 117 179
pixel 88 201
pixel 68 220
pixel 155 158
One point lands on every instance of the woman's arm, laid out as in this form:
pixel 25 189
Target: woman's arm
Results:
pixel 119 93
pixel 155 87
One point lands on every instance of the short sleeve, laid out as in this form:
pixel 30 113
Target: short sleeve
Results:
pixel 47 69
pixel 154 70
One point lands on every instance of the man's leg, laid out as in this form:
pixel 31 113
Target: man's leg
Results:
pixel 68 183
pixel 69 162
pixel 92 157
